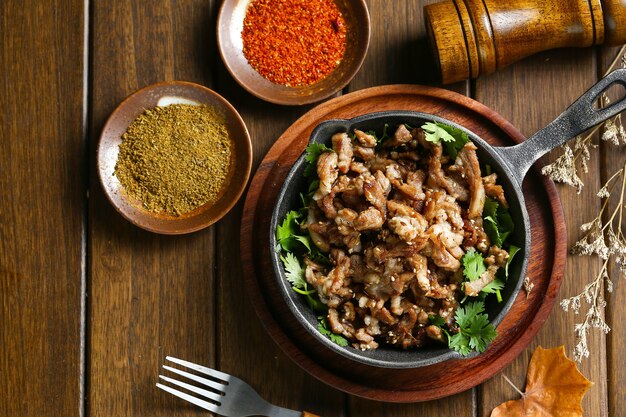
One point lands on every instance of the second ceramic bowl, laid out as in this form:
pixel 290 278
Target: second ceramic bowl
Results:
pixel 230 25
pixel 163 94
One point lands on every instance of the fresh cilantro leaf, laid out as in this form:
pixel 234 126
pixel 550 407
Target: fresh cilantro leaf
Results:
pixel 475 330
pixel 312 152
pixel 324 329
pixel 505 222
pixel 306 241
pixel 512 251
pixel 473 264
pixel 436 133
pixel 490 208
pixel 436 320
pixel 453 139
pixel 460 343
pixel 287 231
pixel 497 222
pixel 293 270
pixel 491 228
pixel 494 287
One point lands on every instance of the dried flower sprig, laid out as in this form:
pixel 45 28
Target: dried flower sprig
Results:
pixel 565 169
pixel 605 239
pixel 603 235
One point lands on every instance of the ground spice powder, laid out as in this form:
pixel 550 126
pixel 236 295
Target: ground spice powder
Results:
pixel 175 159
pixel 294 42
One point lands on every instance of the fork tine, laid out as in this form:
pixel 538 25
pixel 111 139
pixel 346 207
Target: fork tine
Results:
pixel 208 394
pixel 200 403
pixel 207 382
pixel 207 371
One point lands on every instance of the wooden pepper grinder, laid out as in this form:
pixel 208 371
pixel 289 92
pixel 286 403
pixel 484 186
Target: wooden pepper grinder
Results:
pixel 470 38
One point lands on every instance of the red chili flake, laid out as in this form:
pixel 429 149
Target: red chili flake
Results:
pixel 294 42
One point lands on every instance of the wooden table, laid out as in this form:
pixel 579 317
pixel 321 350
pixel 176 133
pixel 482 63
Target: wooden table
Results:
pixel 90 304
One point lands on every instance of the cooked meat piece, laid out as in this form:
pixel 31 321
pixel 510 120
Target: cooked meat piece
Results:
pixel 416 179
pixel 392 172
pixel 400 137
pixel 469 161
pixel 435 333
pixel 371 324
pixel 370 219
pixel 437 177
pixel 474 235
pixel 449 238
pixel 494 190
pixel 358 167
pixel 327 205
pixel 338 326
pixel 427 281
pixel 474 287
pixel 345 221
pixel 366 341
pixel 314 272
pixel 500 256
pixel 365 139
pixel 364 153
pixel 343 148
pixel 317 230
pixel 383 182
pixel 327 172
pixel 383 315
pixel 379 163
pixel 408 228
pixel 441 256
pixel 403 330
pixel 375 194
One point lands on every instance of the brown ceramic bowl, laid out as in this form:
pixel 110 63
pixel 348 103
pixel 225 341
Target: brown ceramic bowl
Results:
pixel 230 25
pixel 162 94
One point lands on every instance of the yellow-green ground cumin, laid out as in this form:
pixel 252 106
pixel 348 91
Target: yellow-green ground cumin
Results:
pixel 175 159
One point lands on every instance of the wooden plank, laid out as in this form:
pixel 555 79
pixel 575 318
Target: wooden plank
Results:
pixel 531 94
pixel 149 295
pixel 399 53
pixel 42 207
pixel 613 159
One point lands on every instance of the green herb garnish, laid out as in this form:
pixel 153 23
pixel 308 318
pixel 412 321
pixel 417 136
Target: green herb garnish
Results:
pixel 497 222
pixel 473 264
pixel 451 138
pixel 475 330
pixel 293 270
pixel 324 329
pixel 512 251
pixel 494 287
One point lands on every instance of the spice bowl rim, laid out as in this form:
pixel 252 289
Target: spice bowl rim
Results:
pixel 247 77
pixel 202 217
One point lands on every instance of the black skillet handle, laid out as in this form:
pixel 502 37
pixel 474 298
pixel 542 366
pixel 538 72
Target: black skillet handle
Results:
pixel 578 117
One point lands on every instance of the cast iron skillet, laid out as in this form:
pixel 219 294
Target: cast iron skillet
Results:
pixel 511 164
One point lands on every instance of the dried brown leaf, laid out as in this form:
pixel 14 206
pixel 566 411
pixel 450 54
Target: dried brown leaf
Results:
pixel 554 388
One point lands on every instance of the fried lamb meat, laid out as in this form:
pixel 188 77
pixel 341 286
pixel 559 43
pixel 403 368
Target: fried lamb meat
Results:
pixel 396 219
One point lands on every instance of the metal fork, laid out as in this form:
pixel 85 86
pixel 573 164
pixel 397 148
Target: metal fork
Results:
pixel 228 395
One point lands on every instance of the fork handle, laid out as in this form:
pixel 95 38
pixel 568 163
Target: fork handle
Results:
pixel 307 414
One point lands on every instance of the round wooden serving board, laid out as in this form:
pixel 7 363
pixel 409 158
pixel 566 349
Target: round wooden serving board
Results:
pixel 545 267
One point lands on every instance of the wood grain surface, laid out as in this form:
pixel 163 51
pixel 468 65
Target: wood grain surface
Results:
pixel 90 304
pixel 42 208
